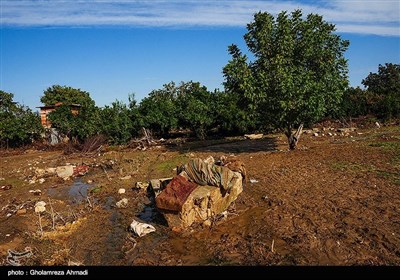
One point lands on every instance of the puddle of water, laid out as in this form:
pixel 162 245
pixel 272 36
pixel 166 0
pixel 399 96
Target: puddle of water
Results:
pixel 75 193
pixel 148 214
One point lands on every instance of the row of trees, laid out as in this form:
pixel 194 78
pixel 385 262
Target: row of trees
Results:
pixel 298 75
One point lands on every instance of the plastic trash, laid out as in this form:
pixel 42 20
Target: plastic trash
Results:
pixel 141 229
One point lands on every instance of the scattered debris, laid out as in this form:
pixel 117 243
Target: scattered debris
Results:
pixel 80 170
pixel 141 229
pixel 157 185
pixel 40 206
pixel 65 172
pixel 346 129
pixel 6 187
pixel 254 136
pixel 121 191
pixel 141 185
pixel 123 203
pixel 14 257
pixel 36 192
pixel 253 181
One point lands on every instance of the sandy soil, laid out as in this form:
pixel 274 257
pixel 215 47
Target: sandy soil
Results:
pixel 333 201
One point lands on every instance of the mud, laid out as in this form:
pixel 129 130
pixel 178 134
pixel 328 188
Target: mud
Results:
pixel 334 201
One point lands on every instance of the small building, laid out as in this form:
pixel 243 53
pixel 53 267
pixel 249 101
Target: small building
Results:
pixel 46 110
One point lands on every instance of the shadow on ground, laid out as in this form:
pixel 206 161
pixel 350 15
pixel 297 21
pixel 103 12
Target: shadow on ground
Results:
pixel 236 146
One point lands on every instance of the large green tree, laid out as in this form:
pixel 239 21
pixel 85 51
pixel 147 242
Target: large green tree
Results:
pixel 385 86
pixel 298 73
pixel 18 124
pixel 158 110
pixel 78 126
pixel 195 108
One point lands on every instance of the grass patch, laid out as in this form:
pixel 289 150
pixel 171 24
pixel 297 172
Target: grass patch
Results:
pixel 169 165
pixel 353 167
pixel 392 148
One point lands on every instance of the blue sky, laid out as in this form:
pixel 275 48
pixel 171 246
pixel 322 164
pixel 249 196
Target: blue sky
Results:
pixel 114 48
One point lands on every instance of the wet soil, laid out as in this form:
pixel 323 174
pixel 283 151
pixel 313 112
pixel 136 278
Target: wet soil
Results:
pixel 333 201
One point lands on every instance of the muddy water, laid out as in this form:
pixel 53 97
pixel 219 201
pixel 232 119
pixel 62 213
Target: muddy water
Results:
pixel 75 193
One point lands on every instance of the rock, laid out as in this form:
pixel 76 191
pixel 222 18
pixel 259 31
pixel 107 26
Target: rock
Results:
pixel 253 181
pixel 80 170
pixel 330 134
pixel 89 181
pixel 126 177
pixel 31 182
pixel 207 223
pixel 41 180
pixel 65 172
pixel 377 124
pixel 121 191
pixel 21 211
pixel 315 134
pixel 123 203
pixel 254 136
pixel 40 206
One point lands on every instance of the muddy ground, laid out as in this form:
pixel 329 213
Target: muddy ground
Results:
pixel 333 201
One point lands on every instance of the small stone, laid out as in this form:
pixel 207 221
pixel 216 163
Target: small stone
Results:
pixel 123 203
pixel 41 180
pixel 315 134
pixel 207 223
pixel 21 211
pixel 89 181
pixel 121 191
pixel 31 182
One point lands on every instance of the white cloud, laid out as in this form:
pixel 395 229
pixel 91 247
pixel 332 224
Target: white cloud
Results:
pixel 354 16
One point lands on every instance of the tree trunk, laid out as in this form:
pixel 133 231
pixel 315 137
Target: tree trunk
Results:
pixel 293 139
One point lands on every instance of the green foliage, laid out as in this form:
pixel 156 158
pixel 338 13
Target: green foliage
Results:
pixel 298 74
pixel 79 126
pixel 67 96
pixel 356 102
pixel 385 87
pixel 158 110
pixel 18 124
pixel 195 108
pixel 115 123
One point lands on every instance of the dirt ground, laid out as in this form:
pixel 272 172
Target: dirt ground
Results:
pixel 333 201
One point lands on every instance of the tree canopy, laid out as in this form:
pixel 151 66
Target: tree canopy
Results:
pixel 298 74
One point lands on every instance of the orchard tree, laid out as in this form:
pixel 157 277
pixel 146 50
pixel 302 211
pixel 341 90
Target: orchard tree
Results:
pixel 298 73
pixel 194 105
pixel 158 110
pixel 385 86
pixel 78 126
pixel 115 123
pixel 18 124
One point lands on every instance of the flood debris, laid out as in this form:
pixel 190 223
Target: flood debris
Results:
pixel 14 257
pixel 40 206
pixel 202 190
pixel 36 192
pixel 123 203
pixel 6 187
pixel 141 229
pixel 254 136
pixel 121 191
